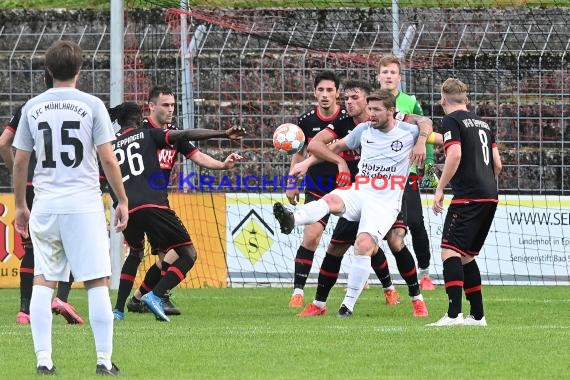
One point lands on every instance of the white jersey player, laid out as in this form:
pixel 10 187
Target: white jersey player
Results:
pixel 67 129
pixel 388 147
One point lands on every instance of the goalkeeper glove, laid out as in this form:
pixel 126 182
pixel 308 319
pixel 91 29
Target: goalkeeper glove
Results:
pixel 430 179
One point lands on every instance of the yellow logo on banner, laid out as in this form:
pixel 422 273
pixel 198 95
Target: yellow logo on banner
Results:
pixel 253 241
pixel 254 237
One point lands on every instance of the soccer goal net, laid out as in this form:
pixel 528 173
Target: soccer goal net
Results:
pixel 253 65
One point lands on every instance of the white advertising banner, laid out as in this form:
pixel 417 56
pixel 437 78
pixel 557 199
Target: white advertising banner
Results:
pixel 529 242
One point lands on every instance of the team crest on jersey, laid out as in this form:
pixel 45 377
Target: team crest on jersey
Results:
pixel 166 158
pixel 447 136
pixel 397 145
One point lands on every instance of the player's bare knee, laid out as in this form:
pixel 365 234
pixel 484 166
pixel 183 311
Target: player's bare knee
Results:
pixel 365 245
pixel 395 239
pixel 187 251
pixel 337 249
pixel 171 256
pixel 103 281
pixel 335 203
pixel 446 253
pixel 312 235
pixel 40 280
pixel 466 259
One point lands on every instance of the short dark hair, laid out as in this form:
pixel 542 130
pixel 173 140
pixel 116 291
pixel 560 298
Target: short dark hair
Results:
pixel 64 60
pixel 158 90
pixel 326 75
pixel 385 96
pixel 351 84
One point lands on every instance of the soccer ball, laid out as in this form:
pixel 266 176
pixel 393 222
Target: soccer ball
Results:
pixel 288 138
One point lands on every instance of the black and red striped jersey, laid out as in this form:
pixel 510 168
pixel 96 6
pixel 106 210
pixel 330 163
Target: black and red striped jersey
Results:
pixel 474 179
pixel 322 175
pixel 168 156
pixel 144 179
pixel 340 128
pixel 13 127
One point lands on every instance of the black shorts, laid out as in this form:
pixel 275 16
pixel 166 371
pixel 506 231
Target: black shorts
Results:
pixel 466 226
pixel 344 232
pixel 162 227
pixel 400 222
pixel 311 196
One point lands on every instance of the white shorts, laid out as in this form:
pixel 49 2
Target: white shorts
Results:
pixel 375 217
pixel 79 242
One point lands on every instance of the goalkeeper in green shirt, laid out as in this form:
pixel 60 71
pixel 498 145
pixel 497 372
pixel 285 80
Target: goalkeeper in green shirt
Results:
pixel 389 77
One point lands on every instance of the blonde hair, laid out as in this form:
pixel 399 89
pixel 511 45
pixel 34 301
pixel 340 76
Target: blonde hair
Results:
pixel 388 60
pixel 454 91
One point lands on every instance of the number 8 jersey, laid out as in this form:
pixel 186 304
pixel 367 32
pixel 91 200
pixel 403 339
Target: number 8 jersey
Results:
pixel 64 126
pixel 474 180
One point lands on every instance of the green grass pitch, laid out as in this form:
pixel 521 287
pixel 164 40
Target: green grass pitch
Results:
pixel 252 334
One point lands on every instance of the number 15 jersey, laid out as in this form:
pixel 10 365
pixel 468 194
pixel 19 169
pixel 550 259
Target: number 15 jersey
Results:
pixel 474 180
pixel 64 126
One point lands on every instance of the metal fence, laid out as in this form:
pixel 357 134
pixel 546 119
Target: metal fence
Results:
pixel 255 68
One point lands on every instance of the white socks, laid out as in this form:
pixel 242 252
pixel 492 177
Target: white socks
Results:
pixel 101 319
pixel 357 277
pixel 320 304
pixel 311 212
pixel 298 291
pixel 41 320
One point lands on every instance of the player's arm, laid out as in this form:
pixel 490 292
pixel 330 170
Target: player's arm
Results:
pixel 234 133
pixel 191 152
pixel 7 138
pixel 452 146
pixel 103 135
pixel 325 137
pixel 430 156
pixel 113 176
pixel 24 144
pixel 319 150
pixel 21 162
pixel 418 155
pixel 318 147
pixel 206 161
pixel 434 138
pixel 292 191
pixel 6 153
pixel 497 163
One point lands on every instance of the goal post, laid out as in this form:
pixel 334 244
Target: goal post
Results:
pixel 254 67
